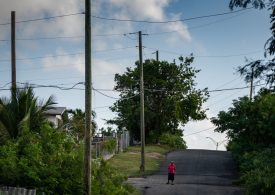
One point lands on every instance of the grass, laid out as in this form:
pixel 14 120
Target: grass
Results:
pixel 128 162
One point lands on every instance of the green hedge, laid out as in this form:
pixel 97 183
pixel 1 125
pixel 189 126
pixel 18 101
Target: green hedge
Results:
pixel 51 162
pixel 258 172
pixel 172 140
pixel 109 145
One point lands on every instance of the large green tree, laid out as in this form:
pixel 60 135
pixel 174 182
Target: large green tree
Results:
pixel 263 68
pixel 249 124
pixel 170 97
pixel 22 111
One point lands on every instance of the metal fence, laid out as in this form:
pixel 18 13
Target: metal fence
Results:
pixel 16 191
pixel 122 142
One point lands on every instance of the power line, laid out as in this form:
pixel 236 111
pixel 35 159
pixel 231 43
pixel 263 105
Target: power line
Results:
pixel 99 107
pixel 199 131
pixel 236 88
pixel 118 34
pixel 210 91
pixel 70 54
pixel 224 98
pixel 46 38
pixel 39 68
pixel 45 18
pixel 207 56
pixel 170 21
pixel 63 37
pixel 40 57
pixel 98 91
pixel 196 26
pixel 114 49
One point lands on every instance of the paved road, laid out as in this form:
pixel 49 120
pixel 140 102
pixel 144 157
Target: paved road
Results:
pixel 198 172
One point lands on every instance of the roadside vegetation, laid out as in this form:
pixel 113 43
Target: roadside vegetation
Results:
pixel 250 122
pixel 34 155
pixel 250 128
pixel 128 162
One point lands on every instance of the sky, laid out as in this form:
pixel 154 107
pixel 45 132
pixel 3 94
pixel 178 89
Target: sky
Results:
pixel 51 51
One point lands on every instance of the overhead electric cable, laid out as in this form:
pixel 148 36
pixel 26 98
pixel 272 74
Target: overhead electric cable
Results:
pixel 199 131
pixel 170 21
pixel 45 18
pixel 114 49
pixel 206 56
pixel 210 91
pixel 70 54
pixel 40 57
pixel 98 91
pixel 236 88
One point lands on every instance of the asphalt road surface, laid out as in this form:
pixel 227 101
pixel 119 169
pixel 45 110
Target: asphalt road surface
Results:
pixel 199 172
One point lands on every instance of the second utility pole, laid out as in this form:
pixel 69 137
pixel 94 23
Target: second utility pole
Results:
pixel 13 51
pixel 142 131
pixel 88 99
pixel 251 83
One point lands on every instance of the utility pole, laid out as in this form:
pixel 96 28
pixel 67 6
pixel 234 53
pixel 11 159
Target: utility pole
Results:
pixel 157 55
pixel 142 131
pixel 88 100
pixel 251 82
pixel 13 51
pixel 217 144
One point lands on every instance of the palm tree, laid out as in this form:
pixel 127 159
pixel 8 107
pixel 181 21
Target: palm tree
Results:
pixel 76 123
pixel 23 111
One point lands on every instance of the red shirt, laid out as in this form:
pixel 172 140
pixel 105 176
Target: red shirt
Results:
pixel 172 168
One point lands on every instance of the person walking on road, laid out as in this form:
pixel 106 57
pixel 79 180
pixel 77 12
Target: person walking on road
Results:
pixel 171 172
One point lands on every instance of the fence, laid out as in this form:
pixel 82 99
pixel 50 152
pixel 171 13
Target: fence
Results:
pixel 16 191
pixel 122 142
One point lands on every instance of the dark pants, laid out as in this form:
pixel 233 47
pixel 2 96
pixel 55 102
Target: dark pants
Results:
pixel 171 176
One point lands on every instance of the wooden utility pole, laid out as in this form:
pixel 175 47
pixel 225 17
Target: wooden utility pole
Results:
pixel 13 51
pixel 142 131
pixel 88 100
pixel 251 83
pixel 157 55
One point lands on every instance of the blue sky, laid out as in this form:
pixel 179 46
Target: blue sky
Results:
pixel 219 44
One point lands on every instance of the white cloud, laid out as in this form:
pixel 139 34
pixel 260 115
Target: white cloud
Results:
pixel 152 10
pixel 148 9
pixel 104 72
pixel 63 61
pixel 29 9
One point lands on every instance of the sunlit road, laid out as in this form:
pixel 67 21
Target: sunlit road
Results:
pixel 204 172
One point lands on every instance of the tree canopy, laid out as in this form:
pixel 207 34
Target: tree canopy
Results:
pixel 74 120
pixel 22 111
pixel 263 68
pixel 249 124
pixel 170 98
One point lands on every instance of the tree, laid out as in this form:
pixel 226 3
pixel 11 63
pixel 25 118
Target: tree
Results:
pixel 249 124
pixel 75 122
pixel 263 68
pixel 23 112
pixel 107 131
pixel 170 98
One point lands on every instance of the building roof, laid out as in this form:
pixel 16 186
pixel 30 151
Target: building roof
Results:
pixel 55 111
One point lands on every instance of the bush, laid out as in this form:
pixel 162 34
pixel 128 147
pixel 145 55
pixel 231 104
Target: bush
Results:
pixel 258 170
pixel 172 140
pixel 106 180
pixel 109 145
pixel 52 162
